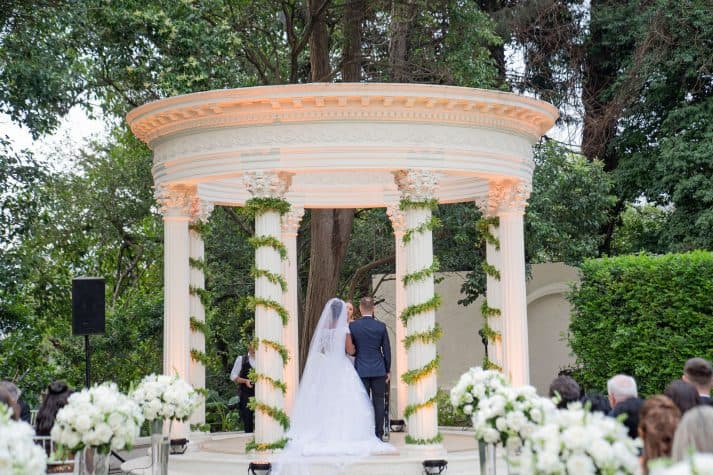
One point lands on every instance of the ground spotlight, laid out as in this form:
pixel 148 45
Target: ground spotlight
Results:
pixel 178 446
pixel 397 425
pixel 434 467
pixel 260 468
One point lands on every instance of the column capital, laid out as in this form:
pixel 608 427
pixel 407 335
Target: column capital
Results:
pixel 290 222
pixel 264 184
pixel 505 196
pixel 416 184
pixel 203 211
pixel 397 218
pixel 177 200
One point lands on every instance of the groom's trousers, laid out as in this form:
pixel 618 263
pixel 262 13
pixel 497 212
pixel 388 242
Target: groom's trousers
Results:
pixel 376 389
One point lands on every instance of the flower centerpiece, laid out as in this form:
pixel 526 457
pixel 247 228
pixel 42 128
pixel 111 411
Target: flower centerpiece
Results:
pixel 161 398
pixel 576 441
pixel 474 385
pixel 94 422
pixel 18 453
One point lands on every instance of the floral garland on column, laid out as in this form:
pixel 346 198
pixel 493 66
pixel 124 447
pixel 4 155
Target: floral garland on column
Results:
pixel 256 207
pixel 431 335
pixel 483 227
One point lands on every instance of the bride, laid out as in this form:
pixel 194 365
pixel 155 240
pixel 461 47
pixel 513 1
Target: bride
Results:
pixel 332 414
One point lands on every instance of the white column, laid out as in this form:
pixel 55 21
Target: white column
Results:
pixel 420 185
pixel 398 223
pixel 178 203
pixel 290 227
pixel 268 323
pixel 511 208
pixel 196 309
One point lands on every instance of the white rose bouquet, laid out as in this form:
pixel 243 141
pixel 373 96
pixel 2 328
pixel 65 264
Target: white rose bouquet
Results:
pixel 697 464
pixel 18 453
pixel 100 417
pixel 510 415
pixel 575 441
pixel 474 385
pixel 165 397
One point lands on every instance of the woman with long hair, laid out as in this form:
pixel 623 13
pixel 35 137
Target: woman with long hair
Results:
pixel 658 420
pixel 56 398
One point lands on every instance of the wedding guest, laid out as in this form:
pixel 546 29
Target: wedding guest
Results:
pixel 15 393
pixel 240 376
pixel 658 420
pixel 566 389
pixel 694 433
pixel 7 399
pixel 683 394
pixel 620 388
pixel 350 311
pixel 56 398
pixel 699 373
pixel 596 403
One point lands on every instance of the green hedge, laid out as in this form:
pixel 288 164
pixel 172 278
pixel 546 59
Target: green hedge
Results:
pixel 642 315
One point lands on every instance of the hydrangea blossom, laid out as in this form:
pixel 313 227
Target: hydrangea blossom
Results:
pixel 18 453
pixel 575 441
pixel 100 417
pixel 164 397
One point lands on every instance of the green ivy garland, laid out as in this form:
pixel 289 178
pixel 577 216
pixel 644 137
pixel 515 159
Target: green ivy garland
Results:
pixel 198 326
pixel 252 445
pixel 429 335
pixel 433 440
pixel 483 226
pixel 256 207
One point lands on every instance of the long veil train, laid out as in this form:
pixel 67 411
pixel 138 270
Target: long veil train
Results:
pixel 332 415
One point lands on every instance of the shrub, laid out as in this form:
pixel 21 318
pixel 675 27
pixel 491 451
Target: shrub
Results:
pixel 642 315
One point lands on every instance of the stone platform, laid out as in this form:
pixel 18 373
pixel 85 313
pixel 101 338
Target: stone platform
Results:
pixel 223 454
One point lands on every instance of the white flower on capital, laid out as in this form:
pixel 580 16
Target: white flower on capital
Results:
pixel 18 453
pixel 163 397
pixel 100 417
pixel 574 440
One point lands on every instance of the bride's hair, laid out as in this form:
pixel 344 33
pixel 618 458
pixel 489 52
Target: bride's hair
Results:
pixel 336 308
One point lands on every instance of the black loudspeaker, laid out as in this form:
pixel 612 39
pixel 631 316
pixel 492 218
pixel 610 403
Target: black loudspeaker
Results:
pixel 88 306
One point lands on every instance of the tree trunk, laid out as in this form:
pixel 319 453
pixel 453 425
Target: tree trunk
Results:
pixel 403 13
pixel 330 229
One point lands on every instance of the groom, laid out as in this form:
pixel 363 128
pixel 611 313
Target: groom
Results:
pixel 373 358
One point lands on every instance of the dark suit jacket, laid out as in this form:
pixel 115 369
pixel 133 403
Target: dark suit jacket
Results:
pixel 373 352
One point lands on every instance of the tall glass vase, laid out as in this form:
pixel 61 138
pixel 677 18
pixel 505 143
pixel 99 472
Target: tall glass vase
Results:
pixel 90 462
pixel 160 446
pixel 486 455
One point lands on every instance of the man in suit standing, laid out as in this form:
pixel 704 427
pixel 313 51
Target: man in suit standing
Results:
pixel 373 358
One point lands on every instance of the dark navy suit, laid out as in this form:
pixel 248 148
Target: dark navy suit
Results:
pixel 373 362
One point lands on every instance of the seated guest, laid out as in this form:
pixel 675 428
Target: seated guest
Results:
pixel 15 393
pixel 683 394
pixel 620 388
pixel 699 373
pixel 596 403
pixel 7 399
pixel 694 433
pixel 55 399
pixel 658 420
pixel 566 389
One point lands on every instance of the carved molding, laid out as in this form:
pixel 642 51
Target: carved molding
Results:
pixel 205 208
pixel 397 218
pixel 342 102
pixel 178 200
pixel 505 196
pixel 417 185
pixel 267 183
pixel 291 220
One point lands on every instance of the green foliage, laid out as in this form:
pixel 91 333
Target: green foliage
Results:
pixel 414 441
pixel 428 336
pixel 432 304
pixel 270 276
pixel 261 205
pixel 411 376
pixel 218 417
pixel 253 446
pixel 423 273
pixel 432 223
pixel 253 302
pixel 269 241
pixel 411 409
pixel 642 315
pixel 448 416
pixel 641 230
pixel 276 413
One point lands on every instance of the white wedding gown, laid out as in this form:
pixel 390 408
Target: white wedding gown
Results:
pixel 332 415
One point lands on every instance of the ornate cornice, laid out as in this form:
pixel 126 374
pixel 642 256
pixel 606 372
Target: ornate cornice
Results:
pixel 416 185
pixel 267 183
pixel 342 102
pixel 505 196
pixel 397 218
pixel 178 200
pixel 291 220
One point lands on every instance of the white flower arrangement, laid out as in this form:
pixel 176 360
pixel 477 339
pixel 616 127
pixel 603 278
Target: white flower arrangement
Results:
pixel 576 441
pixel 100 417
pixel 164 397
pixel 499 412
pixel 697 464
pixel 18 453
